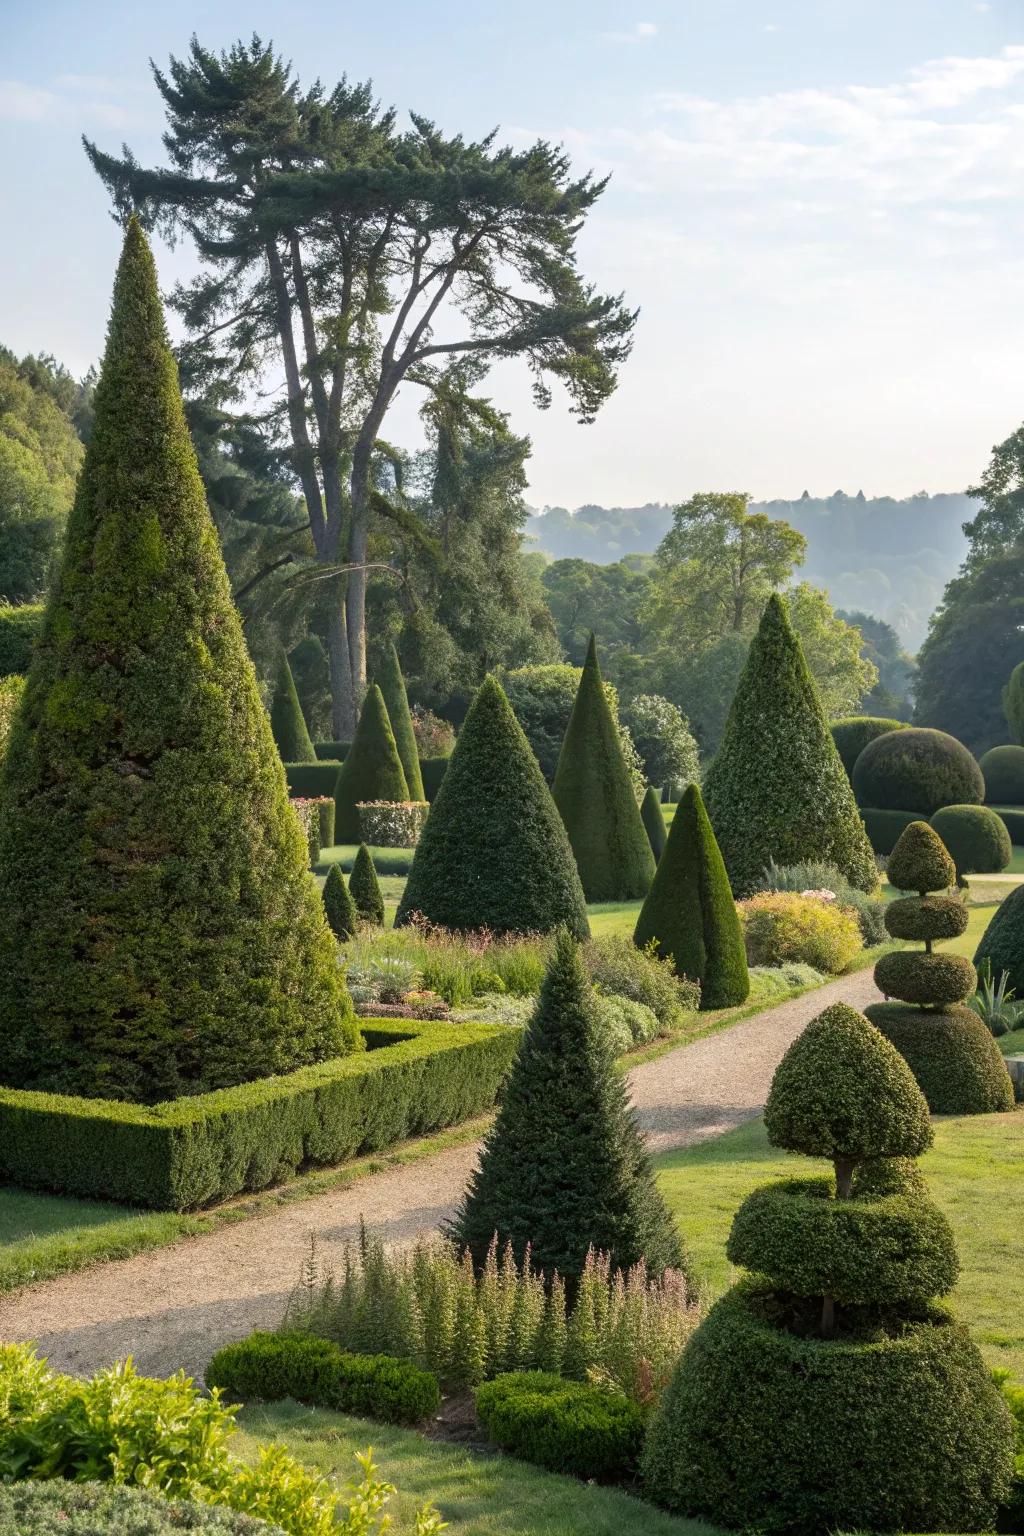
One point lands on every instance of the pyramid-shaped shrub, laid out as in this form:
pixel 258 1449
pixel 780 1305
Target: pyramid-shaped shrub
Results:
pixel 565 1167
pixel 654 821
pixel 594 794
pixel 689 912
pixel 828 1390
pixel 777 788
pixel 364 886
pixel 339 907
pixel 493 852
pixel 159 931
pixel 286 718
pixel 392 686
pixel 948 1047
pixel 372 769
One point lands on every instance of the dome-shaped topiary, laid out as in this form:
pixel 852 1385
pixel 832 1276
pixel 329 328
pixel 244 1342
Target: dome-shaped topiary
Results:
pixel 976 837
pixel 920 861
pixel 654 821
pixel 952 1055
pixel 339 907
pixel 884 828
pixel 917 770
pixel 1003 771
pixel 391 683
pixel 852 734
pixel 372 769
pixel 365 888
pixel 287 721
pixel 938 916
pixel 1002 944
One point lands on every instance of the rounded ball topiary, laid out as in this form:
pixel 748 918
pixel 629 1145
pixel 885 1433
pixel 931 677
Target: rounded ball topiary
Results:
pixel 852 734
pixel 917 770
pixel 843 1092
pixel 890 1249
pixel 952 1055
pixel 1002 944
pixel 1002 769
pixel 916 977
pixel 976 837
pixel 938 916
pixel 567 1426
pixel 920 861
pixel 761 1428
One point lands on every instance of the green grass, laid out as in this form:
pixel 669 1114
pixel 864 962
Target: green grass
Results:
pixel 479 1494
pixel 45 1235
pixel 386 861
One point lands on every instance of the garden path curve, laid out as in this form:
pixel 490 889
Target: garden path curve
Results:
pixel 173 1306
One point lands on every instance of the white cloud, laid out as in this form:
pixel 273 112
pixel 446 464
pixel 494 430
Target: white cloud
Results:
pixel 79 98
pixel 643 29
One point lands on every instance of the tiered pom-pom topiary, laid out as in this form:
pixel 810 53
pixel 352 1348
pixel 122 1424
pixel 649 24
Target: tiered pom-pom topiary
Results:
pixel 829 1391
pixel 950 1051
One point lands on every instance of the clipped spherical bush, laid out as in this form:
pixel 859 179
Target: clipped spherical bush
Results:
pixel 764 1429
pixel 884 827
pixel 785 927
pixel 917 770
pixel 1002 768
pixel 938 916
pixel 952 1055
pixel 852 735
pixel 976 837
pixel 916 977
pixel 843 1092
pixel 1002 943
pixel 920 861
pixel 894 1249
pixel 566 1426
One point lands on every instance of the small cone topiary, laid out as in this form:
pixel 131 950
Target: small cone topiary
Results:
pixel 365 888
pixel 654 821
pixel 339 907
pixel 372 769
pixel 178 944
pixel 828 1390
pixel 594 794
pixel 565 1167
pixel 777 789
pixel 392 686
pixel 949 1049
pixel 493 852
pixel 689 912
pixel 286 718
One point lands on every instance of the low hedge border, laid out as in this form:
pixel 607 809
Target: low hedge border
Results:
pixel 197 1151
pixel 1013 816
pixel 566 1426
pixel 59 1508
pixel 312 779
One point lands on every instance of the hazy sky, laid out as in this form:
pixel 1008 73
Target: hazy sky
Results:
pixel 818 206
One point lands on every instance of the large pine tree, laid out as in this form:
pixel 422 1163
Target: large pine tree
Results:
pixel 777 788
pixel 392 686
pixel 159 930
pixel 286 718
pixel 372 769
pixel 594 794
pixel 494 853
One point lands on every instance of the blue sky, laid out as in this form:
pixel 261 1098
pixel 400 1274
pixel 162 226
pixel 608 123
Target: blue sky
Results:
pixel 817 204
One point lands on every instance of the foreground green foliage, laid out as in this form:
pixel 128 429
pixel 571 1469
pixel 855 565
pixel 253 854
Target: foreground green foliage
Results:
pixel 90 1509
pixel 566 1426
pixel 372 769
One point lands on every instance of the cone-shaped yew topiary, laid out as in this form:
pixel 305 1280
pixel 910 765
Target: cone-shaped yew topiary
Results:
pixel 594 794
pixel 286 718
pixel 777 788
pixel 654 821
pixel 392 686
pixel 689 912
pixel 178 944
pixel 565 1167
pixel 493 852
pixel 339 907
pixel 372 769
pixel 949 1049
pixel 828 1390
pixel 365 888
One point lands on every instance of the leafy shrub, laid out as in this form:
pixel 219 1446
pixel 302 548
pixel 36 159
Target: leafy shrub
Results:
pixel 782 926
pixel 976 837
pixel 391 823
pixel 625 1022
pixel 381 979
pixel 1003 771
pixel 566 1426
pixel 770 981
pixel 917 770
pixel 434 737
pixel 270 1366
pixel 852 734
pixel 616 966
pixel 996 1004
pixel 92 1509
pixel 11 691
pixel 20 626
pixel 664 741
pixel 813 876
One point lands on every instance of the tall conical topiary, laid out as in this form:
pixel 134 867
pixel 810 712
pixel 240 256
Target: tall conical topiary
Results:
pixel 178 942
pixel 339 907
pixel 654 821
pixel 689 912
pixel 565 1166
pixel 286 718
pixel 392 686
pixel 372 769
pixel 828 1390
pixel 950 1050
pixel 594 794
pixel 494 853
pixel 777 788
pixel 365 888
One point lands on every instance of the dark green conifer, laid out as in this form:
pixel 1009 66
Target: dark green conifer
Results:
pixel 286 718
pixel 392 687
pixel 365 888
pixel 777 788
pixel 654 821
pixel 594 794
pixel 178 943
pixel 494 853
pixel 372 769
pixel 339 907
pixel 689 912
pixel 565 1166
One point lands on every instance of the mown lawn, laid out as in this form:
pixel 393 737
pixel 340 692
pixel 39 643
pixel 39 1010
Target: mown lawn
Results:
pixel 43 1235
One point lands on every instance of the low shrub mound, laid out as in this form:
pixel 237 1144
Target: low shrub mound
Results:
pixel 1002 944
pixel 782 927
pixel 953 1056
pixel 917 770
pixel 90 1509
pixel 566 1426
pixel 828 1391
pixel 813 876
pixel 853 733
pixel 1003 771
pixel 976 838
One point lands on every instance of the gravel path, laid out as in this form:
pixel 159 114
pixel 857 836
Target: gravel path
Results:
pixel 174 1306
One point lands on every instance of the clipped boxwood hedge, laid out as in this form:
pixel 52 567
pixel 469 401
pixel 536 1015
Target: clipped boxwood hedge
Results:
pixel 270 1366
pixel 1012 818
pixel 884 827
pixel 335 751
pixel 59 1508
pixel 312 779
pixel 566 1426
pixel 197 1151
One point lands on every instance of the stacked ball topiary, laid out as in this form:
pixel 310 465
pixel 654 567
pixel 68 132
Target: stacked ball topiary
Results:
pixel 950 1051
pixel 828 1391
